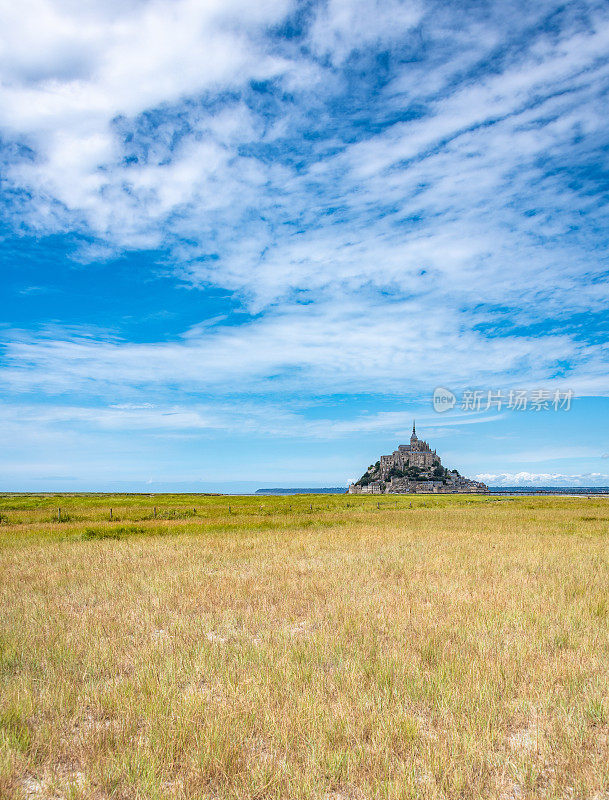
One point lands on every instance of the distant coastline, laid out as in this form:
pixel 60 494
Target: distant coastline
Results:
pixel 326 490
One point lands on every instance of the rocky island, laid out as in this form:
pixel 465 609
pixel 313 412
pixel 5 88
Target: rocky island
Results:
pixel 413 468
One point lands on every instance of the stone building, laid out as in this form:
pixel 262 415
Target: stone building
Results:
pixel 416 454
pixel 413 468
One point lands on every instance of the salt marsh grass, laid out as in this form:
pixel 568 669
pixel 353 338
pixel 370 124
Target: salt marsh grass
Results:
pixel 304 647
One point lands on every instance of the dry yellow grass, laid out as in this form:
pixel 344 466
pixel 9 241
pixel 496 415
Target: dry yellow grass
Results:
pixel 456 649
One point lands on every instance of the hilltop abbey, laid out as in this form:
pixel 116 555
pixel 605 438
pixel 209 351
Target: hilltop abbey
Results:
pixel 416 454
pixel 413 467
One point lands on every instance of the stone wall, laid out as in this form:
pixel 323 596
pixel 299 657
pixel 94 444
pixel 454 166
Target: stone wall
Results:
pixel 403 458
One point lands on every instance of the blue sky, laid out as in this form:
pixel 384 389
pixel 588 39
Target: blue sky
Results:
pixel 242 243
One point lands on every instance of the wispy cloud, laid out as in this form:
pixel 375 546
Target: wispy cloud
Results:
pixel 364 346
pixel 395 195
pixel 261 417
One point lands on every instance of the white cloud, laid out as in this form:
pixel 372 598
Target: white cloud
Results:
pixel 544 479
pixel 342 26
pixel 410 240
pixel 68 71
pixel 73 62
pixel 31 423
pixel 365 346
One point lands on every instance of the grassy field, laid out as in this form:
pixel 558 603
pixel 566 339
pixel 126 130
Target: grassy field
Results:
pixel 304 647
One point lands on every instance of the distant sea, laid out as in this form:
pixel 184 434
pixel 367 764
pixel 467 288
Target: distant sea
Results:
pixel 328 490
